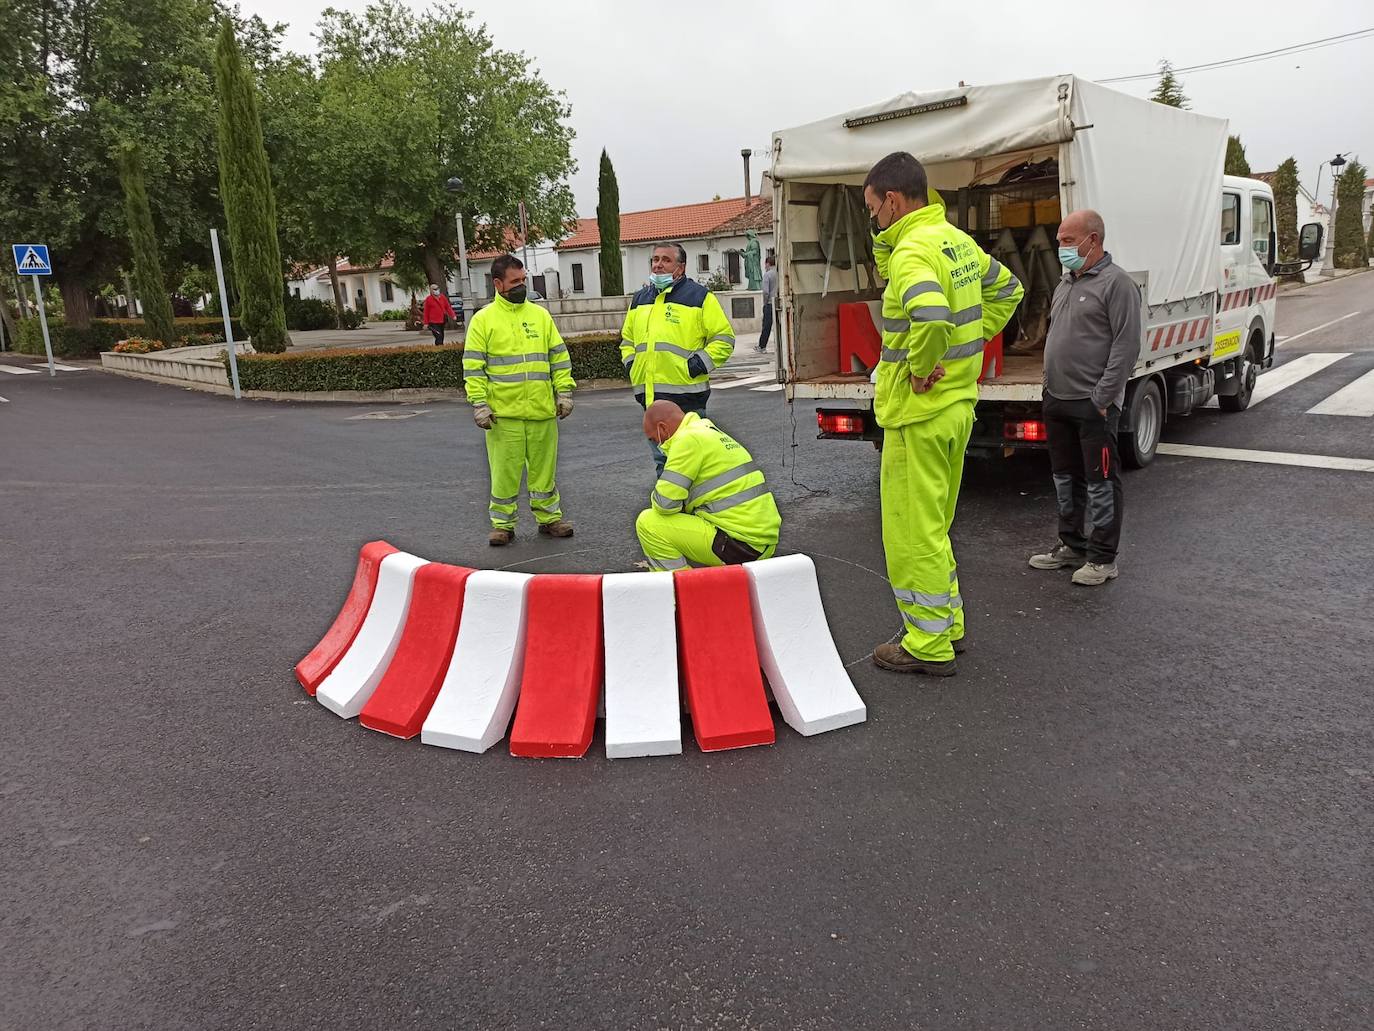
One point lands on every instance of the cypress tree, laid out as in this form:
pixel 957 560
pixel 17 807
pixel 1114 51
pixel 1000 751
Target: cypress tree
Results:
pixel 1236 161
pixel 1286 209
pixel 152 290
pixel 1350 249
pixel 1169 91
pixel 608 225
pixel 249 206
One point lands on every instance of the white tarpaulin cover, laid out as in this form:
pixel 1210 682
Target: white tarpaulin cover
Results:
pixel 1153 172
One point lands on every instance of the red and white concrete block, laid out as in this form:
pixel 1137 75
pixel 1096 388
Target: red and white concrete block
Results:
pixel 482 683
pixel 812 690
pixel 350 684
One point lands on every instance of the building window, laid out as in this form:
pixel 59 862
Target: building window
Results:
pixel 703 263
pixel 578 286
pixel 732 267
pixel 387 293
pixel 1230 219
pixel 491 289
pixel 298 293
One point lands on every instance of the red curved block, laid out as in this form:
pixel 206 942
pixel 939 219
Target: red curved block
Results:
pixel 720 662
pixel 561 685
pixel 312 669
pixel 412 681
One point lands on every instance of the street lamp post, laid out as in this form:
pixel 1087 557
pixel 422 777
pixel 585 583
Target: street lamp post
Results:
pixel 1329 257
pixel 455 187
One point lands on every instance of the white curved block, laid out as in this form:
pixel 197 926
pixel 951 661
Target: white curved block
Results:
pixel 643 714
pixel 475 703
pixel 347 689
pixel 809 681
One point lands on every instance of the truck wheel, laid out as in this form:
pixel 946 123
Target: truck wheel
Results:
pixel 1147 419
pixel 1249 372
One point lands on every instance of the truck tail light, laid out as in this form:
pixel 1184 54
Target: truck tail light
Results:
pixel 1029 429
pixel 842 424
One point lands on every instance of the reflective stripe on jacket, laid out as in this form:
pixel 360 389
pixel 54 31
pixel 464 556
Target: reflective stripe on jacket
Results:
pixel 945 297
pixel 663 330
pixel 710 475
pixel 515 361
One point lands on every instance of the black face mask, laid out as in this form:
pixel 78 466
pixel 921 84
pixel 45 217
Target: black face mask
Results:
pixel 517 294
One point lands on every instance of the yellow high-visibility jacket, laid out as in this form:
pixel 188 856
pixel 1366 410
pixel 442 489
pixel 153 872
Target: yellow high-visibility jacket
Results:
pixel 515 361
pixel 710 475
pixel 945 297
pixel 663 330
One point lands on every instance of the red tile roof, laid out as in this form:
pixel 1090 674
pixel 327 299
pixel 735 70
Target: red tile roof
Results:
pixel 681 221
pixel 346 267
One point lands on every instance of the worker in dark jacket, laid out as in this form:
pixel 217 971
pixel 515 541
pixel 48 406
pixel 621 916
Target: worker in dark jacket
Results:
pixel 437 309
pixel 1093 344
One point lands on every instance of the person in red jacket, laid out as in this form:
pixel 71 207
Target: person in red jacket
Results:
pixel 437 309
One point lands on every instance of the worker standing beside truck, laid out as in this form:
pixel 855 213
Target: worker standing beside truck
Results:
pixel 944 298
pixel 1093 343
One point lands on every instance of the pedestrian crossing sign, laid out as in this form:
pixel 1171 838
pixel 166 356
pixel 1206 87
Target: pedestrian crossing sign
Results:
pixel 31 259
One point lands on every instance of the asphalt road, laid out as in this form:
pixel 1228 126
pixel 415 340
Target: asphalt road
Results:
pixel 1146 806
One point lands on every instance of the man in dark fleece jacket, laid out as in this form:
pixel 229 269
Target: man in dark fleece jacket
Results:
pixel 1093 344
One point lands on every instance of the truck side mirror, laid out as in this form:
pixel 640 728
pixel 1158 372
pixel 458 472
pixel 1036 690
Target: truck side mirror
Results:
pixel 1310 242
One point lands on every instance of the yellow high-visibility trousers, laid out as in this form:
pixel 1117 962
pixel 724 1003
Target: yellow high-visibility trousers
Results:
pixel 922 467
pixel 514 446
pixel 672 541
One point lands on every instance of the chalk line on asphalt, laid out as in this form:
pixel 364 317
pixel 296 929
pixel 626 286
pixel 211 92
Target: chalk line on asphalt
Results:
pixel 1235 454
pixel 1284 341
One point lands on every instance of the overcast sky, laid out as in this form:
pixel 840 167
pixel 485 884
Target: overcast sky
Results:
pixel 675 91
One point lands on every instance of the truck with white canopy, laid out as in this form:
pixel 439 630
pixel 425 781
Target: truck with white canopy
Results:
pixel 1008 160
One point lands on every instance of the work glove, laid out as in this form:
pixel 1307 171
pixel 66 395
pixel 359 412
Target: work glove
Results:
pixel 564 405
pixel 695 366
pixel 482 416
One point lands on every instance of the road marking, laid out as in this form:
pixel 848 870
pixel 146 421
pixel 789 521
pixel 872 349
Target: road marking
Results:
pixel 1234 454
pixel 1353 399
pixel 66 368
pixel 17 370
pixel 770 387
pixel 743 382
pixel 4 400
pixel 1283 341
pixel 1285 375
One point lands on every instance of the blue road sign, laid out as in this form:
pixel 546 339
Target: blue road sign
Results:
pixel 31 259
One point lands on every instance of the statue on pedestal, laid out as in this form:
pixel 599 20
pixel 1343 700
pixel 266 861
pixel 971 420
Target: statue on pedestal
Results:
pixel 753 265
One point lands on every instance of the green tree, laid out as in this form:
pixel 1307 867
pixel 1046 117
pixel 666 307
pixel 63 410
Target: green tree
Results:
pixel 423 98
pixel 608 225
pixel 152 289
pixel 1350 249
pixel 1236 162
pixel 249 205
pixel 1285 187
pixel 77 77
pixel 1169 90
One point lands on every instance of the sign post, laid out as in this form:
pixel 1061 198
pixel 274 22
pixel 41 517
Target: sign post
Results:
pixel 224 310
pixel 31 259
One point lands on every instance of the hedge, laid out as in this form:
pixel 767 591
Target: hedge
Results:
pixel 373 368
pixel 394 368
pixel 103 334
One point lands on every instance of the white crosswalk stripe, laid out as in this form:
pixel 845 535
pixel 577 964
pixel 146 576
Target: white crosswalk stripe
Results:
pixel 17 370
pixel 1353 399
pixel 1284 376
pixel 727 384
pixel 767 387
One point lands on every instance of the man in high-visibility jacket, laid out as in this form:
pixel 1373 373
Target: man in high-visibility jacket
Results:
pixel 944 298
pixel 674 335
pixel 710 504
pixel 518 376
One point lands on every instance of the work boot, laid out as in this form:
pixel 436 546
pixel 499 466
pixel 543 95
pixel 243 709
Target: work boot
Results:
pixel 557 528
pixel 1094 574
pixel 897 659
pixel 1061 556
pixel 499 538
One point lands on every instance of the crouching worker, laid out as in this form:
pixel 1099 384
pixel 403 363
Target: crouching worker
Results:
pixel 710 505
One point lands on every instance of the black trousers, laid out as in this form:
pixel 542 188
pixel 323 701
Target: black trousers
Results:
pixel 437 328
pixel 767 327
pixel 1087 481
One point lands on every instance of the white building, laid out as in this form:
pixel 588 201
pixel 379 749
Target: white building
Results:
pixel 712 233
